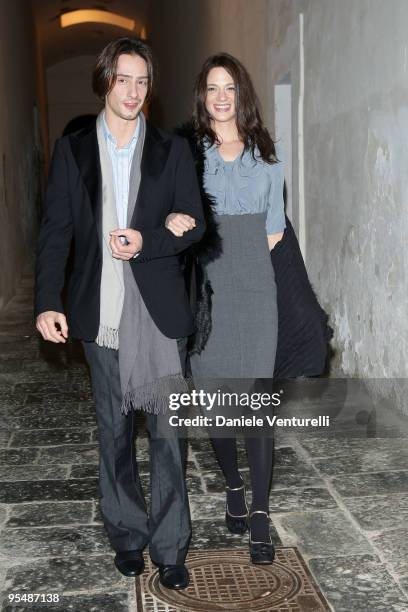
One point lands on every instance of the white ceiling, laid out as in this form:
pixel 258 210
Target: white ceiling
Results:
pixel 86 39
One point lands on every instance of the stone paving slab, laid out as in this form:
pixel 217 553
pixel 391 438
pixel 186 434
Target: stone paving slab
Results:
pixel 207 461
pixel 50 513
pixel 48 387
pixel 52 420
pixel 48 490
pixel 89 470
pixel 33 366
pixel 403 581
pixel 379 483
pixel 379 512
pixel 207 507
pixel 3 514
pixel 356 583
pixel 9 327
pixel 109 602
pixel 16 352
pixel 63 401
pixel 94 436
pixel 9 396
pixel 5 436
pixel 3 572
pixel 68 454
pixel 288 457
pixel 89 573
pixel 332 447
pixel 301 500
pixel 18 456
pixel 22 543
pixel 394 546
pixel 324 533
pixel 372 460
pixel 215 484
pixel 25 376
pixel 51 437
pixel 288 478
pixel 12 405
pixel 17 473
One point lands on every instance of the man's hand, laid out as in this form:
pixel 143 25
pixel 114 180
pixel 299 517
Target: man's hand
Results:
pixel 273 240
pixel 47 323
pixel 179 223
pixel 129 250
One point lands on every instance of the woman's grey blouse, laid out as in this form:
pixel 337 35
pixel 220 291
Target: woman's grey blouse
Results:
pixel 246 186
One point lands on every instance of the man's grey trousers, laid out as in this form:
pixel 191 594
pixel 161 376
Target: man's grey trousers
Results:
pixel 166 527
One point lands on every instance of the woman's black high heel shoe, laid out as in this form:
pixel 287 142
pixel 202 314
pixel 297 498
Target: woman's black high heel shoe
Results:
pixel 237 524
pixel 261 553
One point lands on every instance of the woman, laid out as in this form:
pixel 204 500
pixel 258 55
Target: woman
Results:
pixel 243 176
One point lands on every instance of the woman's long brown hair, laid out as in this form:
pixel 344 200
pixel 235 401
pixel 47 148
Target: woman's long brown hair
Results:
pixel 250 127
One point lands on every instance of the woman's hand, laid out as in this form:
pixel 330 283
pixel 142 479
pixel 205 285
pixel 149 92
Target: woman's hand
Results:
pixel 179 223
pixel 273 239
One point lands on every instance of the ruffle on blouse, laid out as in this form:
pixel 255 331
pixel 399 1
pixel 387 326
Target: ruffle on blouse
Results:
pixel 244 170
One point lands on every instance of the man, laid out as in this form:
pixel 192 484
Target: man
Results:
pixel 110 189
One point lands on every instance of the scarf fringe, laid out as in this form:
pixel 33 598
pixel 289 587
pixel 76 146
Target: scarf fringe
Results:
pixel 108 337
pixel 153 397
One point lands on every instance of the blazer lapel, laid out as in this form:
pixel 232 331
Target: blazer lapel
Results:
pixel 155 153
pixel 86 153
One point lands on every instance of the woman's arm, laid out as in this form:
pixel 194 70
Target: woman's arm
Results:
pixel 275 220
pixel 160 241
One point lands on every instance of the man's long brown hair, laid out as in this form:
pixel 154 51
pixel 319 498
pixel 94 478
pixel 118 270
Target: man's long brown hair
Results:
pixel 250 127
pixel 104 74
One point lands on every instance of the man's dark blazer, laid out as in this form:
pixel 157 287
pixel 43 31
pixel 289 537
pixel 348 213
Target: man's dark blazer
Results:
pixel 73 210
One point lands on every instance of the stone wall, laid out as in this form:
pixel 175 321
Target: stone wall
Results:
pixel 19 146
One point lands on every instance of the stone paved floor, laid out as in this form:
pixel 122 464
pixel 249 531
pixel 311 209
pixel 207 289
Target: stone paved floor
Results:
pixel 341 498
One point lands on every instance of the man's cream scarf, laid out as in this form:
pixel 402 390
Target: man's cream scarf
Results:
pixel 112 284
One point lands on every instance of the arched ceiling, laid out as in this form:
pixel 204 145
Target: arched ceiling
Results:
pixel 58 43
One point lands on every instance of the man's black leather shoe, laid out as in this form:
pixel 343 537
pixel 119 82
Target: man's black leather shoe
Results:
pixel 174 577
pixel 130 562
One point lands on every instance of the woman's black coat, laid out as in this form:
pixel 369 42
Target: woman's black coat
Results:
pixel 303 330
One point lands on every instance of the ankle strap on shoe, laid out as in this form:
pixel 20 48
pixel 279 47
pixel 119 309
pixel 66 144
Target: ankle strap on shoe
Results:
pixel 236 488
pixel 258 512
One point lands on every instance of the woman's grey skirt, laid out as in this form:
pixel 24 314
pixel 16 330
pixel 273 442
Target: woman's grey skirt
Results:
pixel 242 342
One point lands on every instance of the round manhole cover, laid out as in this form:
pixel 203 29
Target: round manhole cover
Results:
pixel 222 583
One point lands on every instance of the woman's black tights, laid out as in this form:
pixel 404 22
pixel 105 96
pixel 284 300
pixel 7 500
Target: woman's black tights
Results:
pixel 260 460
